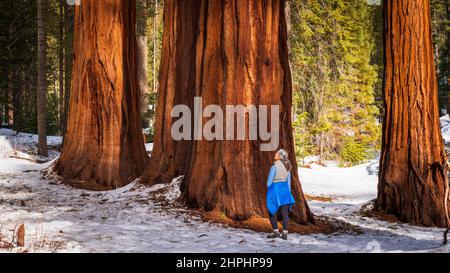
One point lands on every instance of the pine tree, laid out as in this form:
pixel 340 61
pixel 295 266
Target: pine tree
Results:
pixel 42 79
pixel 334 79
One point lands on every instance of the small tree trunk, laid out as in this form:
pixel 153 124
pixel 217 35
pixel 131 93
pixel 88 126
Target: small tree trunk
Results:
pixel 413 178
pixel 10 99
pixel 42 80
pixel 155 35
pixel 61 67
pixel 142 54
pixel 2 106
pixel 229 53
pixel 104 142
pixel 68 29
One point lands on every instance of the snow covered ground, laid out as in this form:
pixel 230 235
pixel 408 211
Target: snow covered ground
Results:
pixel 22 145
pixel 445 128
pixel 62 219
pixel 352 185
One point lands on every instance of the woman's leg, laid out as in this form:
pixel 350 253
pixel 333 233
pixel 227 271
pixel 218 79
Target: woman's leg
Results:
pixel 285 214
pixel 273 221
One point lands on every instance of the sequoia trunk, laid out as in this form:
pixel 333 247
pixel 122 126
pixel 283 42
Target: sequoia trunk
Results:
pixel 104 142
pixel 228 53
pixel 413 178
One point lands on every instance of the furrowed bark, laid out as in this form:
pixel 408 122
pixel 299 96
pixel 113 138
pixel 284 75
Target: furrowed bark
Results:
pixel 228 53
pixel 104 143
pixel 413 176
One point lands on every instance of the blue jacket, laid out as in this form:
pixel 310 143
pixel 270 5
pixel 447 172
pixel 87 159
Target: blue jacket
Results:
pixel 278 193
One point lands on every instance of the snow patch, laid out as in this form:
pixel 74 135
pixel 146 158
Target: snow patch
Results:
pixel 445 128
pixel 23 145
pixel 168 193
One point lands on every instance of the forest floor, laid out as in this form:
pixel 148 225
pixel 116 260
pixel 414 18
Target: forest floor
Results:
pixel 59 218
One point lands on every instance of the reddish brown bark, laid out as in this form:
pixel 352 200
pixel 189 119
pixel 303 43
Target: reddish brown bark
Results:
pixel 177 74
pixel 228 53
pixel 21 236
pixel 412 179
pixel 104 143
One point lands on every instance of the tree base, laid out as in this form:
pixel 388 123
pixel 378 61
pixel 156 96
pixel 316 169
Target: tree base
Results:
pixel 261 224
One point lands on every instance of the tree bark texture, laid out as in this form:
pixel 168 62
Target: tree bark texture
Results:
pixel 68 59
pixel 104 142
pixel 61 66
pixel 228 53
pixel 412 179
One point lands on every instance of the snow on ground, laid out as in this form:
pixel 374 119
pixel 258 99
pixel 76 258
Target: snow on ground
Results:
pixel 351 185
pixel 24 145
pixel 63 219
pixel 149 147
pixel 445 128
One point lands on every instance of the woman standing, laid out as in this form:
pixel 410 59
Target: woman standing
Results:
pixel 279 196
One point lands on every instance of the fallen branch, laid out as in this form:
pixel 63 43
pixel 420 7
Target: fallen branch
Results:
pixel 34 160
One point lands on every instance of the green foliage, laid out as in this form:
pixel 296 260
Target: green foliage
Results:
pixel 332 46
pixel 18 67
pixel 301 136
pixel 352 151
pixel 441 28
pixel 17 62
pixel 154 32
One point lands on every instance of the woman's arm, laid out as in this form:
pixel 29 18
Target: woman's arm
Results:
pixel 272 173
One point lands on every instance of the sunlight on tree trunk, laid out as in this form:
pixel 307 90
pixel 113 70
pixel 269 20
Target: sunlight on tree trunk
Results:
pixel 413 177
pixel 226 61
pixel 104 143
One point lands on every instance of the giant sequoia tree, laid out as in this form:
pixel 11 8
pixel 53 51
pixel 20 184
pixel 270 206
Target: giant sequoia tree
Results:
pixel 104 141
pixel 228 53
pixel 412 179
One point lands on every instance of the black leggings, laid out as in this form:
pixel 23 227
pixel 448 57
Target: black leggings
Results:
pixel 284 213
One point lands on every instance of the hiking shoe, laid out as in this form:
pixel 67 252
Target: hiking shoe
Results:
pixel 274 235
pixel 284 236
